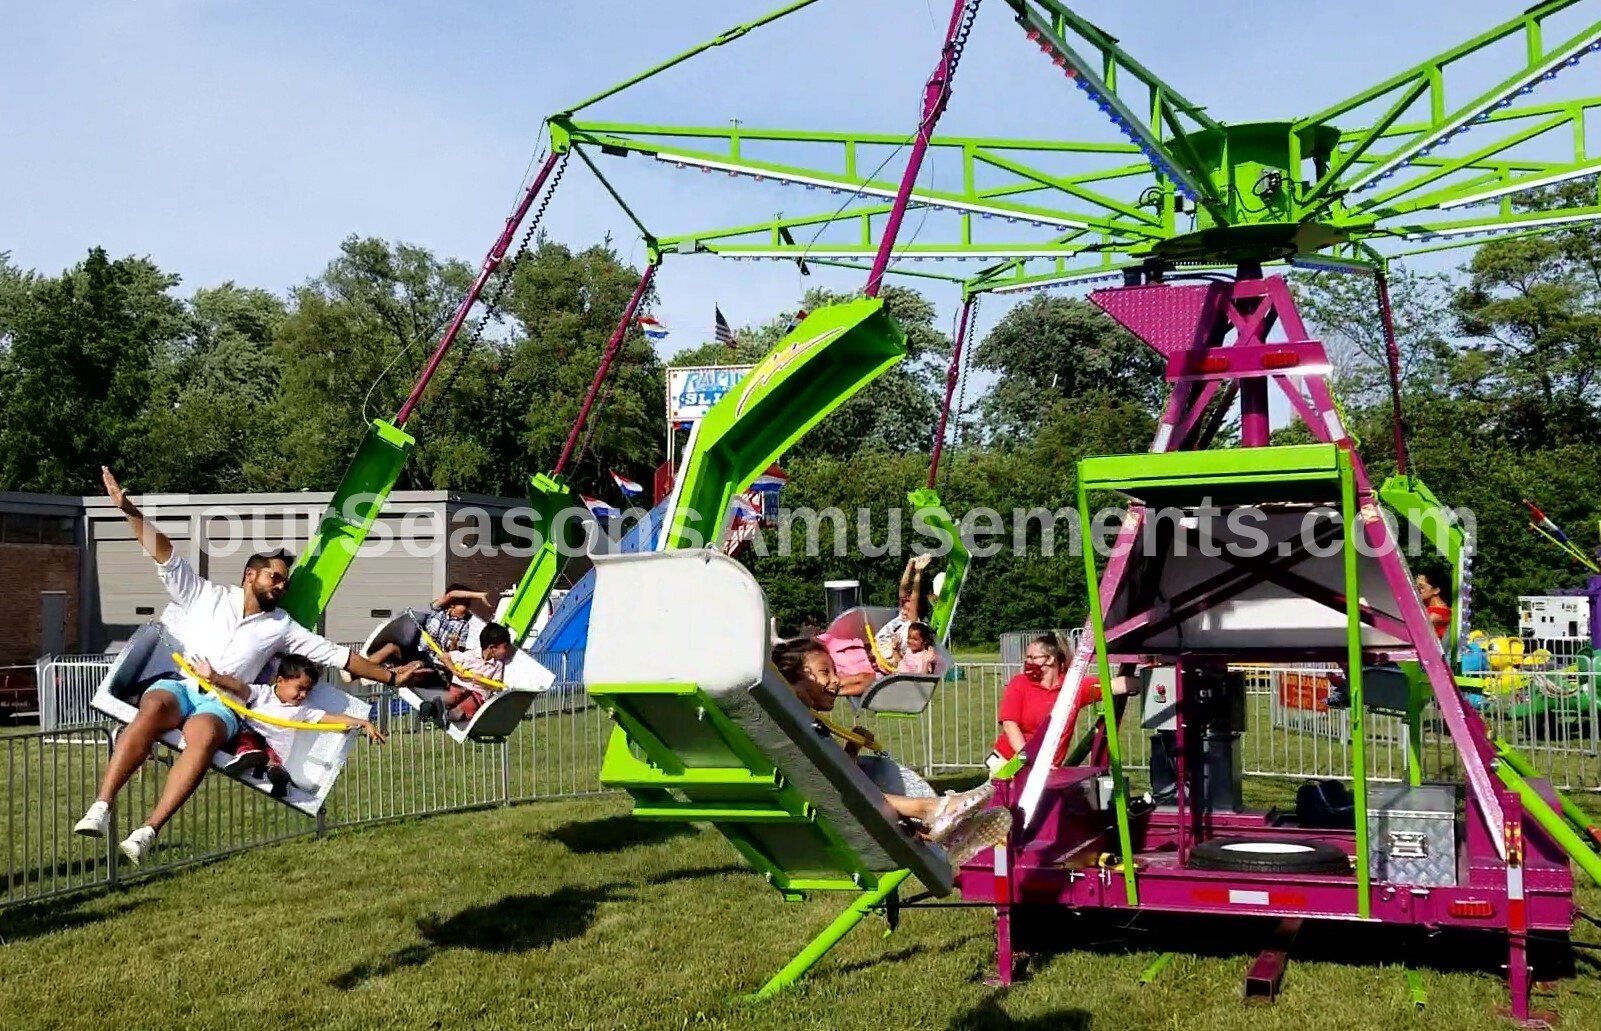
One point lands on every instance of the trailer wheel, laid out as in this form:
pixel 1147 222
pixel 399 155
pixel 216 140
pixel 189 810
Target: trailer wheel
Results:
pixel 1261 855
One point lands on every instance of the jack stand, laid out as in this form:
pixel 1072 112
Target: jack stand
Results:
pixel 1267 973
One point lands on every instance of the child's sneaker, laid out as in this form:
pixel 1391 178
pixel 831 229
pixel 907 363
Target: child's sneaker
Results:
pixel 138 845
pixel 278 777
pixel 981 830
pixel 953 807
pixel 95 822
pixel 247 758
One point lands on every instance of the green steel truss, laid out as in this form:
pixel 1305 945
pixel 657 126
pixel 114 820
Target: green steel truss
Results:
pixel 1385 173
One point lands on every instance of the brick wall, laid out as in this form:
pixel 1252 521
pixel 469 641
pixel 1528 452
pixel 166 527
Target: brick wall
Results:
pixel 490 573
pixel 26 570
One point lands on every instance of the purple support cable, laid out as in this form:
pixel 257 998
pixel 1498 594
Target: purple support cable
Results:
pixel 613 346
pixel 950 391
pixel 935 94
pixel 492 262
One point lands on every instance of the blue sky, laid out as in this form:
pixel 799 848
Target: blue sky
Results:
pixel 242 141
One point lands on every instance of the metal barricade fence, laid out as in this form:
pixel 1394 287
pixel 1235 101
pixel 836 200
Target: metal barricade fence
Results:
pixel 66 684
pixel 51 775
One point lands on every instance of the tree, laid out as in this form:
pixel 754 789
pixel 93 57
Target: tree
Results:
pixel 1344 311
pixel 212 426
pixel 349 351
pixel 566 306
pixel 1534 306
pixel 76 376
pixel 1052 349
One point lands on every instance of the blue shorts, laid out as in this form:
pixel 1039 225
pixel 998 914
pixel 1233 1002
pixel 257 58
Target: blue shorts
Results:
pixel 192 701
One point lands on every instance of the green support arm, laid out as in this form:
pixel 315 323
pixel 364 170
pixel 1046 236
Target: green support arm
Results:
pixel 549 497
pixel 347 521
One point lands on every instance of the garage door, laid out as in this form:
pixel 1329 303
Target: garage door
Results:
pixel 129 591
pixel 375 588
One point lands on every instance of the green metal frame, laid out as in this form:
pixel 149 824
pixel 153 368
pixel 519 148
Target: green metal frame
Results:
pixel 931 511
pixel 548 497
pixel 1171 142
pixel 1188 478
pixel 372 474
pixel 732 798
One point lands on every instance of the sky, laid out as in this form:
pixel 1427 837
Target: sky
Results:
pixel 236 141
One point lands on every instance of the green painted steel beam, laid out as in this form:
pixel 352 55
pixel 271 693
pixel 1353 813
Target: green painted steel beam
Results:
pixel 548 497
pixel 976 202
pixel 1116 56
pixel 722 38
pixel 345 524
pixel 834 933
pixel 1353 659
pixel 1435 64
pixel 1442 128
pixel 1200 186
pixel 1345 159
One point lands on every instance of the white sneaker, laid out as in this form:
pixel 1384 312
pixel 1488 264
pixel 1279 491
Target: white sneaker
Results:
pixel 138 845
pixel 95 822
pixel 953 808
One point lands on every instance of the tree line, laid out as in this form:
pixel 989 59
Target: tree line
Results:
pixel 234 388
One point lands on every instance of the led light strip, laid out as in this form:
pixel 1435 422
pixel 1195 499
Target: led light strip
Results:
pixel 1329 263
pixel 1544 72
pixel 1045 284
pixel 1591 168
pixel 1503 227
pixel 1064 58
pixel 839 186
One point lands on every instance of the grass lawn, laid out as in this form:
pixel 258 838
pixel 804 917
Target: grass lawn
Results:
pixel 570 914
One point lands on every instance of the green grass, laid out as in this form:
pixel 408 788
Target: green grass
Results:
pixel 569 914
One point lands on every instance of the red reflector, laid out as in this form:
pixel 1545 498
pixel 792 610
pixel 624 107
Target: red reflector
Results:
pixel 1219 895
pixel 1058 60
pixel 1472 908
pixel 1280 359
pixel 1033 33
pixel 1214 364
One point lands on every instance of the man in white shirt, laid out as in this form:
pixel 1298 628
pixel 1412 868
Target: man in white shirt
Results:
pixel 235 629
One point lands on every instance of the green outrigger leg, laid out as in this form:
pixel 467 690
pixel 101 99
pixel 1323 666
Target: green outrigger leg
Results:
pixel 548 496
pixel 1580 837
pixel 732 785
pixel 931 512
pixel 817 367
pixel 347 521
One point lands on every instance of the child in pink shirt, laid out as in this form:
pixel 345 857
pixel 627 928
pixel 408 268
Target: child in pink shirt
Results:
pixel 919 656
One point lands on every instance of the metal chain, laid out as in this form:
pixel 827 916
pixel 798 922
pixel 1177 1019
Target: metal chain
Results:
pixel 507 274
pixel 964 371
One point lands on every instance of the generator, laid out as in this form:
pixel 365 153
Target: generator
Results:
pixel 1546 617
pixel 1213 714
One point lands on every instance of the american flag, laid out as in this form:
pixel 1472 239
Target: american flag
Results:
pixel 725 335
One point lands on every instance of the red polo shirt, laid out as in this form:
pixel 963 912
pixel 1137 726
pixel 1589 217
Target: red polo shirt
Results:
pixel 1029 706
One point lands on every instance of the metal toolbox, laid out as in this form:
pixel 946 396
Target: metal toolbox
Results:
pixel 1412 834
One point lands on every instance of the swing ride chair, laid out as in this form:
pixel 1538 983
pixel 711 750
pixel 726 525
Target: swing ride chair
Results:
pixel 525 679
pixel 716 735
pixel 892 694
pixel 315 758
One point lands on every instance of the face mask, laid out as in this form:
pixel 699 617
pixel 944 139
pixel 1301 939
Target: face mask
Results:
pixel 1034 671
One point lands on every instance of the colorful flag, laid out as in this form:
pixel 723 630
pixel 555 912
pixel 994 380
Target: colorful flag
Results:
pixel 627 486
pixel 772 479
pixel 599 508
pixel 795 320
pixel 725 335
pixel 654 331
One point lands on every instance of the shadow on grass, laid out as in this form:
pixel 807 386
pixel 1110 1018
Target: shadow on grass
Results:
pixel 31 920
pixel 698 873
pixel 614 834
pixel 516 923
pixel 989 1016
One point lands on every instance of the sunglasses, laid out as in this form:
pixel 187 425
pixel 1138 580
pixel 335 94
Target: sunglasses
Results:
pixel 274 577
